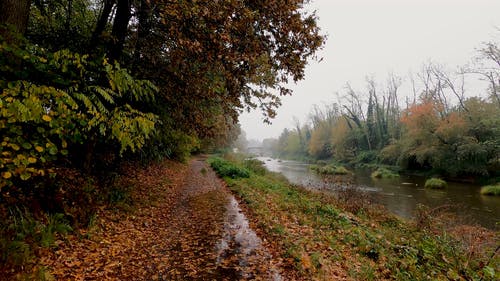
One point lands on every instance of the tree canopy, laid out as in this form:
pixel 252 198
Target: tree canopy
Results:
pixel 84 78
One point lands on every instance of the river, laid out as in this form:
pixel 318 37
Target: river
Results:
pixel 401 196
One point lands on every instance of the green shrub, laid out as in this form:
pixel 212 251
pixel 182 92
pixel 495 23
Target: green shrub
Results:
pixel 57 101
pixel 321 162
pixel 341 170
pixel 435 183
pixel 226 169
pixel 255 166
pixel 21 235
pixel 491 190
pixel 315 168
pixel 366 157
pixel 55 224
pixel 383 173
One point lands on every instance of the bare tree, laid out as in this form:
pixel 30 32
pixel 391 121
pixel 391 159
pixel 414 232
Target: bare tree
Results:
pixel 487 65
pixel 457 88
pixel 434 85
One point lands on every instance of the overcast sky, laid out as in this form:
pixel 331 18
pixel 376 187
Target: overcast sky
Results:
pixel 375 37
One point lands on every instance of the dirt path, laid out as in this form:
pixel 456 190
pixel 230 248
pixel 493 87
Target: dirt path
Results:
pixel 188 227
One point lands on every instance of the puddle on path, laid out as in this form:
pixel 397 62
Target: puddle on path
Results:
pixel 241 248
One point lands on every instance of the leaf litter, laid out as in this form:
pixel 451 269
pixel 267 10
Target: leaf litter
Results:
pixel 184 224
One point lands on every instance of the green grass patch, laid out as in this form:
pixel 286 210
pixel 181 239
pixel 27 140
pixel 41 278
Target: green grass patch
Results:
pixel 493 190
pixel 225 168
pixel 383 173
pixel 314 234
pixel 329 169
pixel 435 183
pixel 254 165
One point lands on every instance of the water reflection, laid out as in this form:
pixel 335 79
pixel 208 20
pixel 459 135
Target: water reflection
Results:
pixel 401 196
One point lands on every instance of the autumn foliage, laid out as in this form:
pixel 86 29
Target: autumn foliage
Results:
pixel 89 86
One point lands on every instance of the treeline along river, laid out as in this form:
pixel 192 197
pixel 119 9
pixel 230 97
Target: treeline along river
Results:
pixel 401 196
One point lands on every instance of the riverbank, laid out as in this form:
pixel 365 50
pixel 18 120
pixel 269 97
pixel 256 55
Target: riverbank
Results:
pixel 401 195
pixel 345 237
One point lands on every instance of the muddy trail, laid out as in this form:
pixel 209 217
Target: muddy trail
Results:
pixel 214 241
pixel 188 227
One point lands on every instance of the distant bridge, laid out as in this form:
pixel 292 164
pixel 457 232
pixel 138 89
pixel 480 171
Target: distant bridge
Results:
pixel 258 150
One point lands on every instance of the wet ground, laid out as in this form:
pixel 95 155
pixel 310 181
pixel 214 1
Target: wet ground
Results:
pixel 184 225
pixel 218 242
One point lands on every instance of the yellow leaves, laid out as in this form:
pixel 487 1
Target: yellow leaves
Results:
pixel 32 160
pixel 7 175
pixel 46 118
pixel 39 148
pixel 305 261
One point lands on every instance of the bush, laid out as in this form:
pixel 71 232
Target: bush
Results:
pixel 383 173
pixel 366 157
pixel 56 102
pixel 435 183
pixel 227 169
pixel 321 162
pixel 491 190
pixel 390 154
pixel 255 166
pixel 21 234
pixel 341 170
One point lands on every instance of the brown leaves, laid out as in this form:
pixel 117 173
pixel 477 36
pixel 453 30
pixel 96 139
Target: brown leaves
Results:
pixel 171 232
pixel 124 245
pixel 220 57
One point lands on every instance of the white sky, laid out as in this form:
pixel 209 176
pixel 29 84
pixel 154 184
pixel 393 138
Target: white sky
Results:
pixel 375 37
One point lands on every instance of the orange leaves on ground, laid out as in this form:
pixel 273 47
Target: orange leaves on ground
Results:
pixel 124 245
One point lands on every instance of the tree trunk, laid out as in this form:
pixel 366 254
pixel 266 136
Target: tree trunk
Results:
pixel 101 23
pixel 15 14
pixel 69 14
pixel 143 30
pixel 88 159
pixel 120 28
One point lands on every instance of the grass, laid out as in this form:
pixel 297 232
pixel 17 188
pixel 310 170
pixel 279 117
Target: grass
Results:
pixel 225 169
pixel 322 241
pixel 329 169
pixel 383 173
pixel 21 236
pixel 493 190
pixel 435 183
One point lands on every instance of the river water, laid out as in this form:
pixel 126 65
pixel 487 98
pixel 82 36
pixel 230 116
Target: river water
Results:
pixel 401 196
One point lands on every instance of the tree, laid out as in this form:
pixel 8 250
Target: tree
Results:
pixel 55 107
pixel 14 15
pixel 487 65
